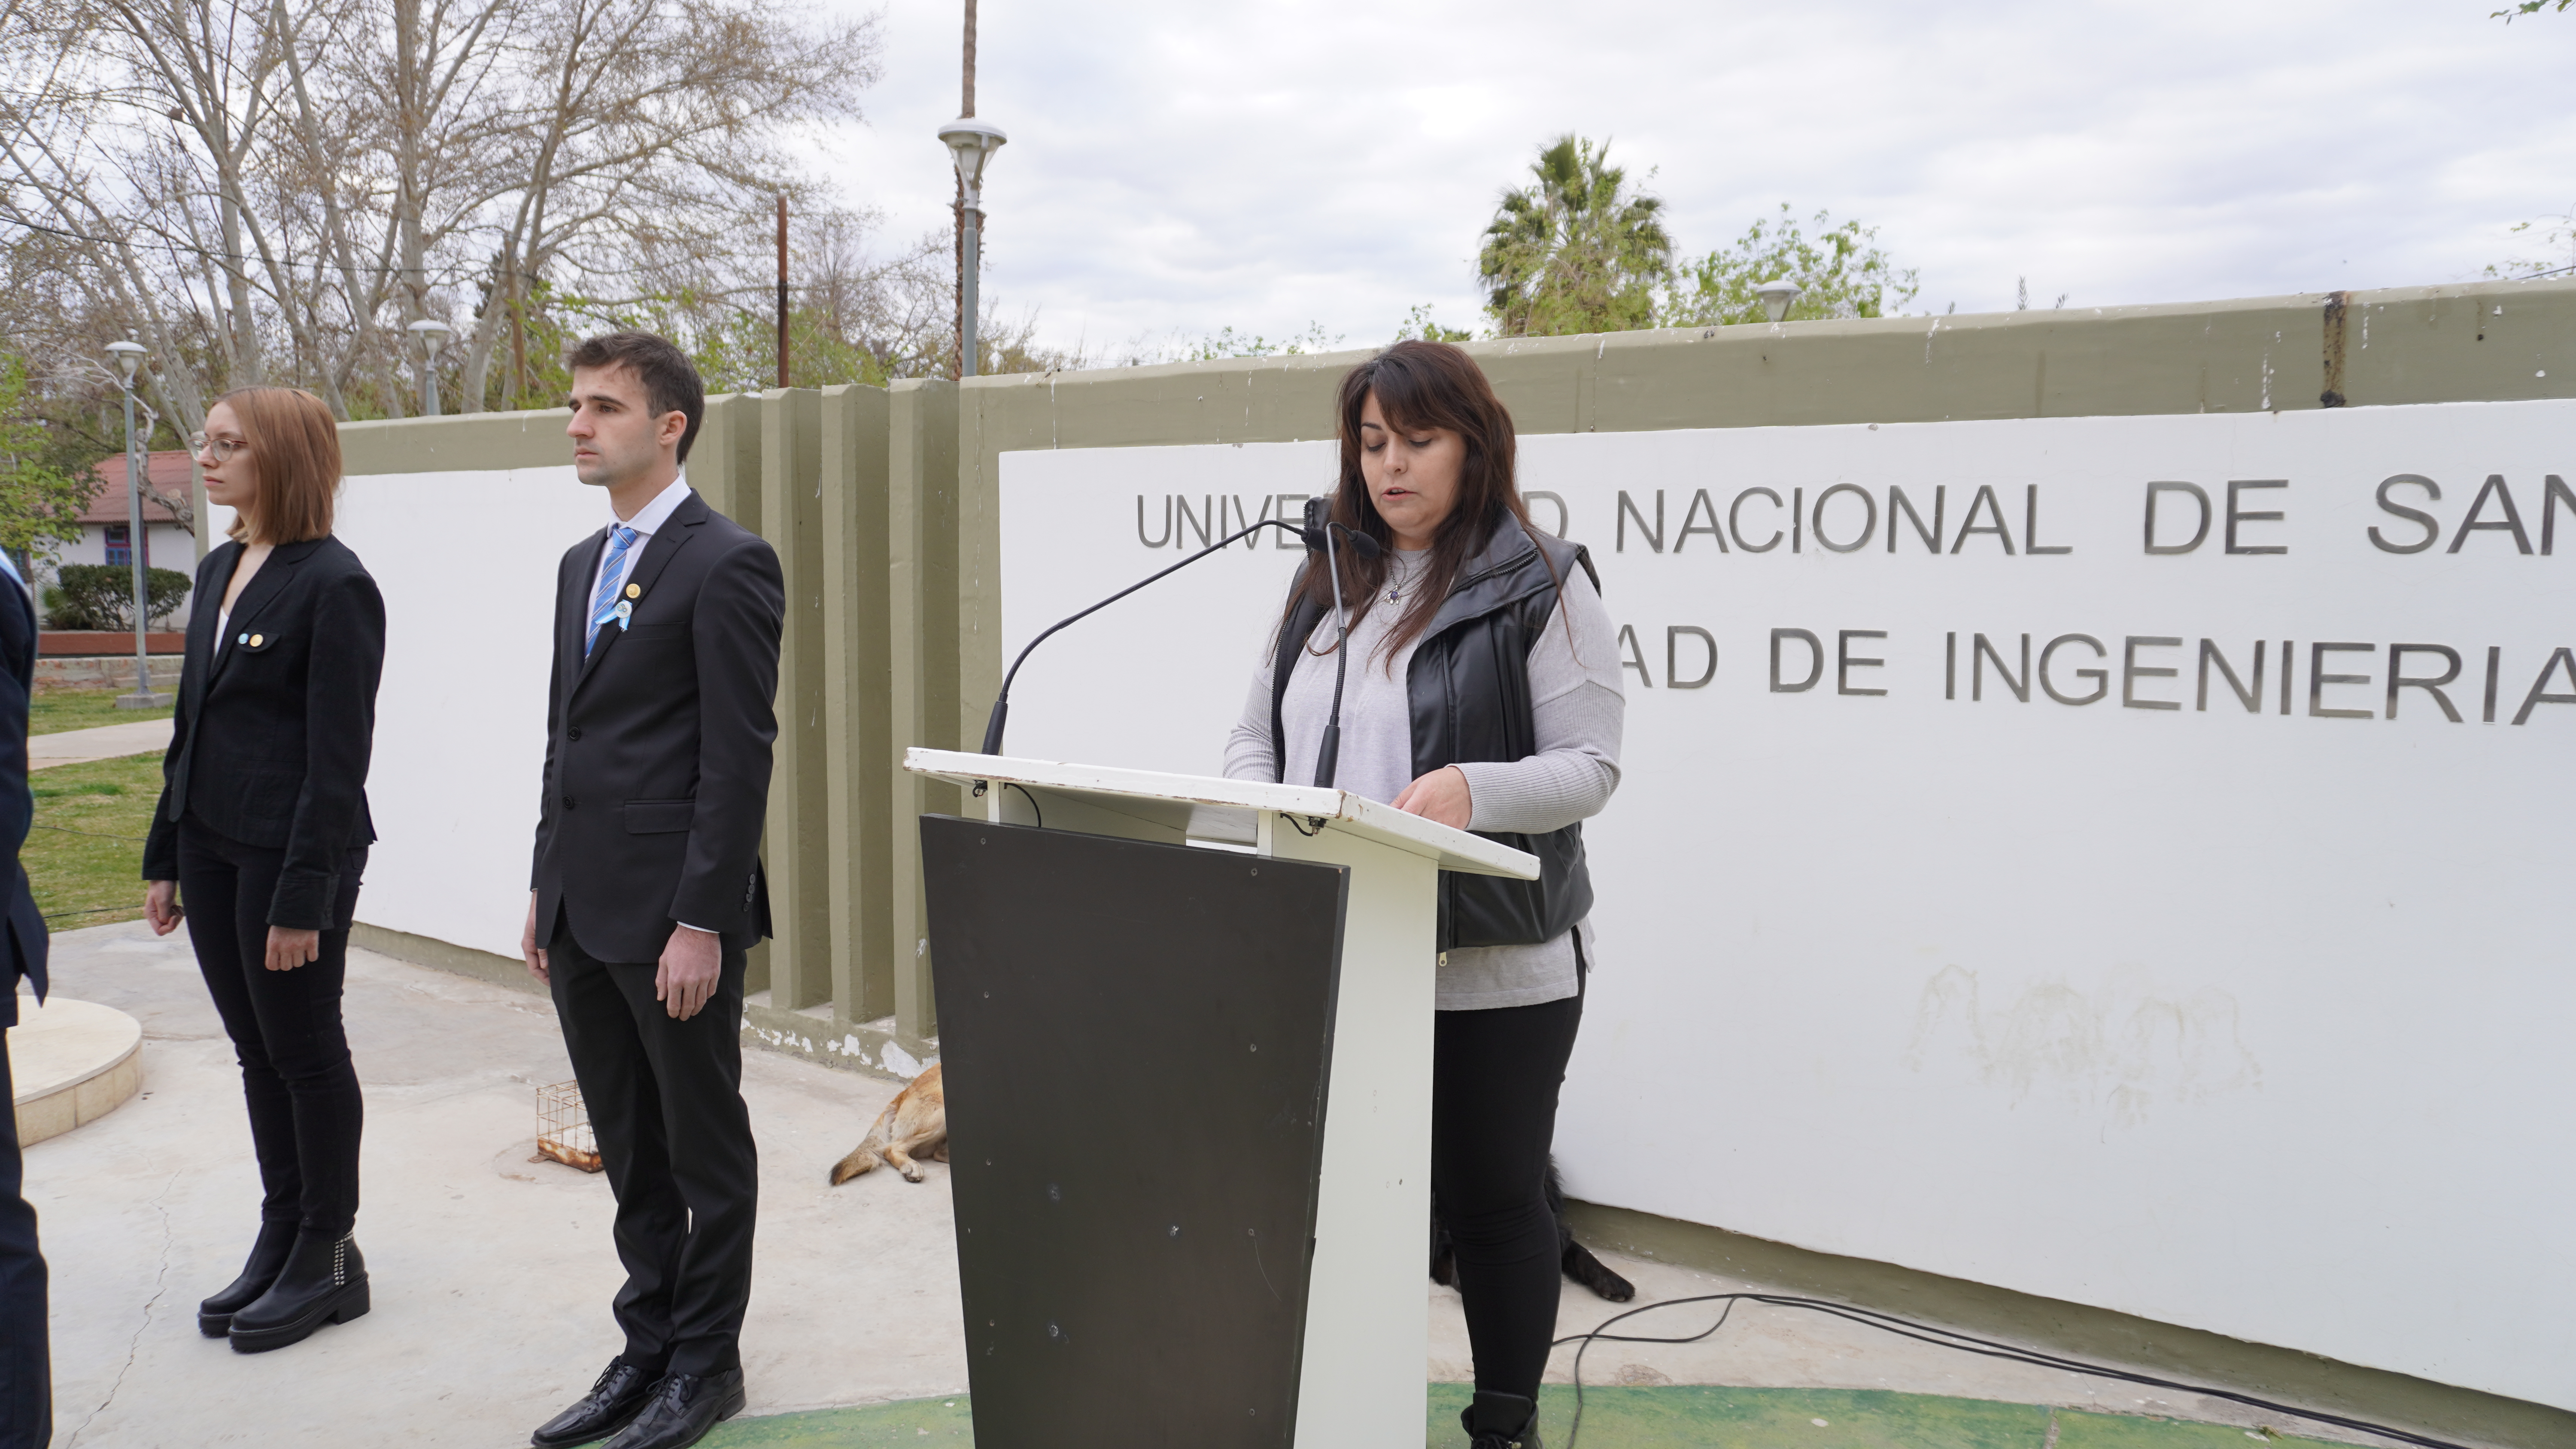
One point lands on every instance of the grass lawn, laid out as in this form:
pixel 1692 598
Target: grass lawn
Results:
pixel 85 854
pixel 55 710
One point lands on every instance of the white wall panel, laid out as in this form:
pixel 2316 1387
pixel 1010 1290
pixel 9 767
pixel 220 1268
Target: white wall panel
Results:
pixel 2243 1021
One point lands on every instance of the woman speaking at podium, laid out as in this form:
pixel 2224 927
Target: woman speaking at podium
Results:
pixel 1483 692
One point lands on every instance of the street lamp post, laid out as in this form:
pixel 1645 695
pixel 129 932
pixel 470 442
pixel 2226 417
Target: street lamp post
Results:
pixel 433 334
pixel 129 360
pixel 972 143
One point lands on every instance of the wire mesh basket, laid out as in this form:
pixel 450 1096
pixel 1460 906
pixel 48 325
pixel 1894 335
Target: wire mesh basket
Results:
pixel 563 1127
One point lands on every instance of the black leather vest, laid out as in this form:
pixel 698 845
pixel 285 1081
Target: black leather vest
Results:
pixel 1468 687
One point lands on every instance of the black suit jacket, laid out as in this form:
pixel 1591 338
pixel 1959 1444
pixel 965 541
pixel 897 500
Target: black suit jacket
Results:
pixel 22 926
pixel 286 715
pixel 657 743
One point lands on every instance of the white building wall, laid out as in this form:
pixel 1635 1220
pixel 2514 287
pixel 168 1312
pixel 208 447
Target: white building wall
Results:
pixel 2234 1020
pixel 461 714
pixel 2239 1021
pixel 169 547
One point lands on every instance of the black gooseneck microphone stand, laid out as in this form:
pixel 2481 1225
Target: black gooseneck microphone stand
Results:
pixel 1316 534
pixel 1328 756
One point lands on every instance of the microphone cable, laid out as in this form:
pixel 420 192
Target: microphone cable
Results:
pixel 1944 1338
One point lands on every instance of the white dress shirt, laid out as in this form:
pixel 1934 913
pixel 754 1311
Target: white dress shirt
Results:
pixel 647 519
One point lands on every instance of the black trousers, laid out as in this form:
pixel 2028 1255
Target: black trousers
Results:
pixel 665 1100
pixel 305 1110
pixel 26 1373
pixel 1494 1081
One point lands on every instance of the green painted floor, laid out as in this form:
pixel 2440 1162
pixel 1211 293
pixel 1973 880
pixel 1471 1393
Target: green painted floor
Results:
pixel 1681 1416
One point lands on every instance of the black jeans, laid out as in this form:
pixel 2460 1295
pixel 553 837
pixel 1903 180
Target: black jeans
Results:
pixel 305 1111
pixel 26 1377
pixel 1494 1081
pixel 665 1100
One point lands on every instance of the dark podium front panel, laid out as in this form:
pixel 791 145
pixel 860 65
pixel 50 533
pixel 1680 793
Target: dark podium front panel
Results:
pixel 1136 1040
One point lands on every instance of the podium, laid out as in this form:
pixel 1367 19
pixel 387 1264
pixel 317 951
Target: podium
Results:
pixel 1186 1030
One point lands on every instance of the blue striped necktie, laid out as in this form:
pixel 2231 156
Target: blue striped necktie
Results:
pixel 604 604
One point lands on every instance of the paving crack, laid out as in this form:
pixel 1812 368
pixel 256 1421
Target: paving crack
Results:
pixel 160 1284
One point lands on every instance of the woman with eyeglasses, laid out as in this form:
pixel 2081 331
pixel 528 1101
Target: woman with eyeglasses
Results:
pixel 262 833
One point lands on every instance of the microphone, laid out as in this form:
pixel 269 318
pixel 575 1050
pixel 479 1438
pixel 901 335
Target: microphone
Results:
pixel 1320 528
pixel 1312 535
pixel 1317 534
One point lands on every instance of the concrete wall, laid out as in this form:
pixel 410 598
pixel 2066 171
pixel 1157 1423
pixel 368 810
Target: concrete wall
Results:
pixel 908 641
pixel 2361 352
pixel 460 731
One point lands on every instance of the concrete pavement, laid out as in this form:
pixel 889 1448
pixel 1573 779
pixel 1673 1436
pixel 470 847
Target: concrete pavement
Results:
pixel 492 1274
pixel 104 742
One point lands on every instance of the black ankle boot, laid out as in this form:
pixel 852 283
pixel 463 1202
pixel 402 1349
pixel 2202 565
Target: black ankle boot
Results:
pixel 267 1256
pixel 324 1281
pixel 1501 1421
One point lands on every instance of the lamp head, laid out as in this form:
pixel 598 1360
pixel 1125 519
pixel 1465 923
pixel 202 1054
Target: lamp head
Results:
pixel 433 334
pixel 1778 295
pixel 972 143
pixel 128 355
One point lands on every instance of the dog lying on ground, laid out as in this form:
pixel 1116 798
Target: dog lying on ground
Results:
pixel 1575 1259
pixel 914 1124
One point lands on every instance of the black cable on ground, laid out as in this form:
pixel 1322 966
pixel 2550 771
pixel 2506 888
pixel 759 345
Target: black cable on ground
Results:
pixel 1946 1338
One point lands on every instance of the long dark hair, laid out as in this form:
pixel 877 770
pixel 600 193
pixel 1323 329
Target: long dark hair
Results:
pixel 1420 386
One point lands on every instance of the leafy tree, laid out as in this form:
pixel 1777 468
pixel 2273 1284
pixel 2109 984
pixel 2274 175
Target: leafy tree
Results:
pixel 40 499
pixel 1226 342
pixel 2530 7
pixel 2557 238
pixel 1843 272
pixel 1418 326
pixel 1576 250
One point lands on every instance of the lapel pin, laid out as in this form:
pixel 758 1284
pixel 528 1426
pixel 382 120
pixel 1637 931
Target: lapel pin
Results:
pixel 625 612
pixel 243 639
pixel 633 592
pixel 258 639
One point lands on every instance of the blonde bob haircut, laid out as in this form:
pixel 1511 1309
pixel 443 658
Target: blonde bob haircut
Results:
pixel 295 458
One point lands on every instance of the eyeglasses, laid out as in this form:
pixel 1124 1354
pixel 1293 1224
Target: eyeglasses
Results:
pixel 219 449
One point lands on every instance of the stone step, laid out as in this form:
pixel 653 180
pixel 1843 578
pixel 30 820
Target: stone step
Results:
pixel 70 1063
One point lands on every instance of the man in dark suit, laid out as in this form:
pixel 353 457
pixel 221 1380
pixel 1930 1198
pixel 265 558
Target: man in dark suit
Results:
pixel 647 887
pixel 26 1375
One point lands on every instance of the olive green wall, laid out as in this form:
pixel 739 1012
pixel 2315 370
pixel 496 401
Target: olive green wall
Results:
pixel 883 506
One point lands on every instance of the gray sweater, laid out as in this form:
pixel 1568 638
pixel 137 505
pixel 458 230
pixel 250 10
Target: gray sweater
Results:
pixel 1579 710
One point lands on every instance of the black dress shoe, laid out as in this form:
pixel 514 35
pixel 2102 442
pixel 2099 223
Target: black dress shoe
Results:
pixel 683 1408
pixel 611 1405
pixel 1501 1421
pixel 267 1257
pixel 324 1281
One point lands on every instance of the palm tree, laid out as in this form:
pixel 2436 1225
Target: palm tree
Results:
pixel 1576 251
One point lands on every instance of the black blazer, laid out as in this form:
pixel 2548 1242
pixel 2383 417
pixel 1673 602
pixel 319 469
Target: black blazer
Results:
pixel 22 926
pixel 289 713
pixel 657 743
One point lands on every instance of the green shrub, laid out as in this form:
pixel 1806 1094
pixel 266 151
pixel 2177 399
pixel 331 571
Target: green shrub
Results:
pixel 101 596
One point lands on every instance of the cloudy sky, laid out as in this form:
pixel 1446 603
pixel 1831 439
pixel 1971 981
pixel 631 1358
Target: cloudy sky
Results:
pixel 1270 164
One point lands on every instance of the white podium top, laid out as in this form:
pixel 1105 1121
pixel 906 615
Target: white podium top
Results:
pixel 1230 810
